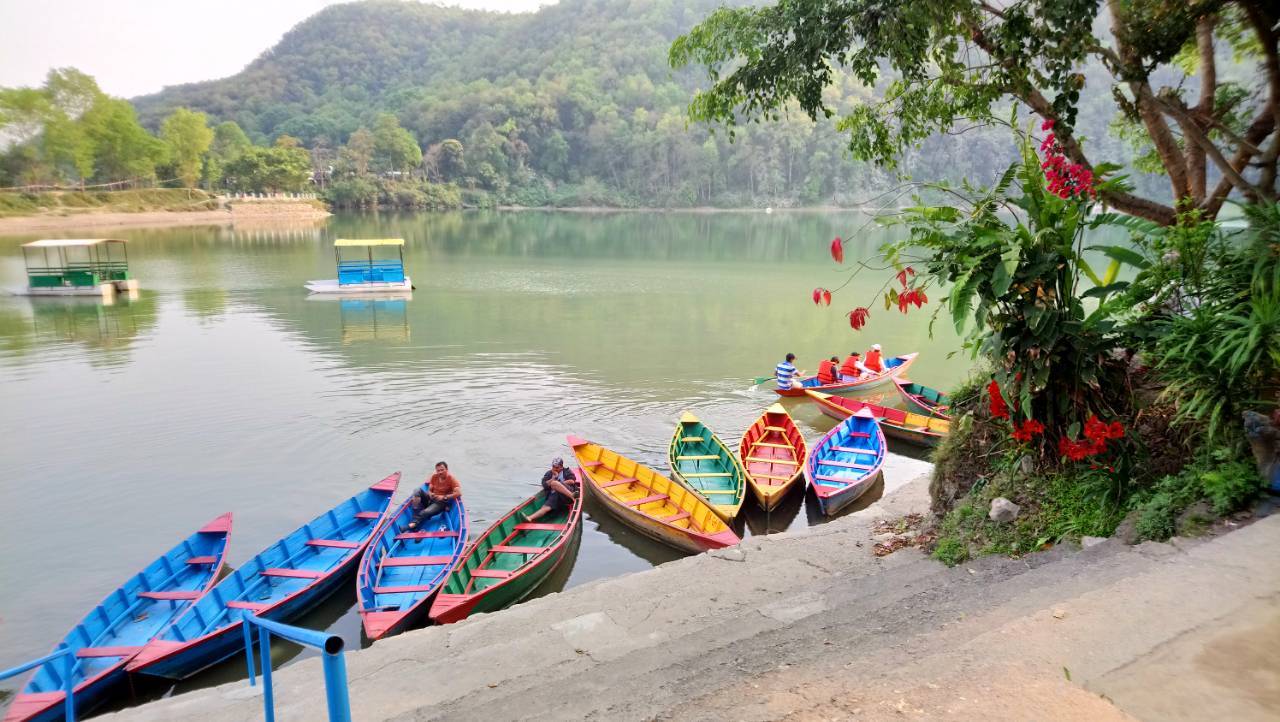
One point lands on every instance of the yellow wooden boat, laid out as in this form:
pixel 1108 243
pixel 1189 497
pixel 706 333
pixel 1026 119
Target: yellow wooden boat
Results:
pixel 649 502
pixel 702 462
pixel 773 452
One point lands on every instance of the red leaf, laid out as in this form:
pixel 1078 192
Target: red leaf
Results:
pixel 858 318
pixel 826 297
pixel 837 249
pixel 817 296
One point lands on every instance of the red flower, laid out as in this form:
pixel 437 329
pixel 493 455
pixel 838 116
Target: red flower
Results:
pixel 1027 430
pixel 1076 450
pixel 837 249
pixel 1047 124
pixel 858 318
pixel 999 409
pixel 902 275
pixel 1115 430
pixel 1095 430
pixel 821 296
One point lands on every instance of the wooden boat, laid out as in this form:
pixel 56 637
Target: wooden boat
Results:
pixel 649 502
pixel 923 399
pixel 361 273
pixel 905 425
pixel 283 581
pixel 510 559
pixel 846 462
pixel 115 630
pixel 401 571
pixel 703 463
pixel 773 453
pixel 893 367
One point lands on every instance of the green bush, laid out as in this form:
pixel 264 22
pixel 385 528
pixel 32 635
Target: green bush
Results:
pixel 1158 517
pixel 352 193
pixel 1230 486
pixel 951 552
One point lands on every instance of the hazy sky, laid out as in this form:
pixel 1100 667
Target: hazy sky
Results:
pixel 135 47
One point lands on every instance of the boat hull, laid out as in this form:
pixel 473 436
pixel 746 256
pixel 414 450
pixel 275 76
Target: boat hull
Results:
pixel 892 421
pixel 919 403
pixel 655 530
pixel 705 466
pixel 331 286
pixel 851 387
pixel 772 470
pixel 846 462
pixel 834 504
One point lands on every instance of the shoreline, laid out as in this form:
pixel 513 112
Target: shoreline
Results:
pixel 233 214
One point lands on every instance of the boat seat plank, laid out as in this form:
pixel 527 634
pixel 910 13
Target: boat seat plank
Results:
pixel 837 479
pixel 172 596
pixel 771 445
pixel 491 573
pixel 717 491
pixel 405 589
pixel 775 428
pixel 292 573
pixel 513 549
pixel 702 474
pixel 592 464
pixel 535 526
pixel 846 464
pixel 251 606
pixel 676 517
pixel 202 560
pixel 691 439
pixel 647 500
pixel 618 482
pixel 444 534
pixel 89 652
pixel 415 561
pixel 788 462
pixel 859 434
pixel 852 450
pixel 367 515
pixel 698 457
pixel 333 543
pixel 771 476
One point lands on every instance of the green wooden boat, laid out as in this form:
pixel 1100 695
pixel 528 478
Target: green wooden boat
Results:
pixel 707 467
pixel 923 399
pixel 509 560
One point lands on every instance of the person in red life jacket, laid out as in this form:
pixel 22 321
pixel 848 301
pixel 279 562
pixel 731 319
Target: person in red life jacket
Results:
pixel 829 371
pixel 873 362
pixel 853 368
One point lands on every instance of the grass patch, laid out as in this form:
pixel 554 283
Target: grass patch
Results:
pixel 131 201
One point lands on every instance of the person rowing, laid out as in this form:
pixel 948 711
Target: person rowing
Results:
pixel 785 372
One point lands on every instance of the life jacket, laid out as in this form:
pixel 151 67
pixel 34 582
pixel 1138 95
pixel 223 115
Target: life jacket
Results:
pixel 827 371
pixel 850 366
pixel 873 361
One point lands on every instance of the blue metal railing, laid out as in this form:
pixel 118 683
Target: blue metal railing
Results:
pixel 68 684
pixel 330 646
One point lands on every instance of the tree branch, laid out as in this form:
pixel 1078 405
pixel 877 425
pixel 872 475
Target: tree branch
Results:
pixel 1262 18
pixel 1194 135
pixel 1196 167
pixel 1258 130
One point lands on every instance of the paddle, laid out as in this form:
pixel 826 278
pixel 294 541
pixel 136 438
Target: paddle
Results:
pixel 762 379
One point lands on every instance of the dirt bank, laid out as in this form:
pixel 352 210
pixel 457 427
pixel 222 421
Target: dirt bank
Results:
pixel 255 213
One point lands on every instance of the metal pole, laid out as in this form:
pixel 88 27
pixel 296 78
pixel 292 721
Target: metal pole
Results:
pixel 68 686
pixel 335 687
pixel 248 647
pixel 268 698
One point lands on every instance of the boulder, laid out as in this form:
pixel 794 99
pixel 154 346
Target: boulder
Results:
pixel 1127 532
pixel 1091 541
pixel 1003 510
pixel 1195 519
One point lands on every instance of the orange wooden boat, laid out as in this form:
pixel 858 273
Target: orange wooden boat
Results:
pixel 773 452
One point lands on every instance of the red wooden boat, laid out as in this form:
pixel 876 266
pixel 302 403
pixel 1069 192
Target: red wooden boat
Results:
pixel 904 425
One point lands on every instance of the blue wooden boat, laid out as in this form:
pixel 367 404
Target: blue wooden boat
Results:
pixel 846 462
pixel 283 581
pixel 130 617
pixel 401 571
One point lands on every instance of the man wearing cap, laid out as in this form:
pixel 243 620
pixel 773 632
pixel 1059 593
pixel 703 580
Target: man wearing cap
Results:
pixel 873 361
pixel 560 485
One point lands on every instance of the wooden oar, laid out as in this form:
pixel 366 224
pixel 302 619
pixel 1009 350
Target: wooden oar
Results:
pixel 762 379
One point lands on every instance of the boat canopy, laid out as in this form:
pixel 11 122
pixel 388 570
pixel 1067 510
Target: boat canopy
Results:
pixel 69 242
pixel 349 242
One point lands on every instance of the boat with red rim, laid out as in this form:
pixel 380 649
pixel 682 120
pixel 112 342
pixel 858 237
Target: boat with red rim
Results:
pixel 285 580
pixel 772 452
pixel 402 570
pixel 510 560
pixel 923 399
pixel 904 425
pixel 894 366
pixel 126 620
pixel 846 462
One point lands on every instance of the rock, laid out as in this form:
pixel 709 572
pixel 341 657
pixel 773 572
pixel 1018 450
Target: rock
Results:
pixel 1027 464
pixel 1003 510
pixel 733 554
pixel 1091 541
pixel 1264 440
pixel 1059 614
pixel 1127 532
pixel 1195 519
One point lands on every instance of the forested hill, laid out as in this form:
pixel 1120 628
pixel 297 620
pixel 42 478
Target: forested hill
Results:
pixel 573 104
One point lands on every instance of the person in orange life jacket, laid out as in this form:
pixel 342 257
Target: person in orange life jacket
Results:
pixel 873 360
pixel 441 491
pixel 853 368
pixel 561 487
pixel 828 371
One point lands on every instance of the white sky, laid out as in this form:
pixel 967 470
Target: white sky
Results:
pixel 134 47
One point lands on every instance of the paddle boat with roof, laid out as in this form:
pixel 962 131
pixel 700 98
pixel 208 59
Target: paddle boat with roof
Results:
pixel 510 560
pixel 893 367
pixel 130 617
pixel 361 271
pixel 772 453
pixel 649 502
pixel 903 425
pixel 284 581
pixel 923 399
pixel 702 462
pixel 77 267
pixel 846 462
pixel 401 571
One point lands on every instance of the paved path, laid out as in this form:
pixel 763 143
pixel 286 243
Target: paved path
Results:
pixel 811 625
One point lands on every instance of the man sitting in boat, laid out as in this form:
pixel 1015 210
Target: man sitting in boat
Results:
pixel 561 487
pixel 785 372
pixel 442 489
pixel 829 370
pixel 852 369
pixel 873 361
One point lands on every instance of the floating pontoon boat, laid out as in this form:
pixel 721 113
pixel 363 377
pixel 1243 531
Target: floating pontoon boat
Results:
pixel 367 274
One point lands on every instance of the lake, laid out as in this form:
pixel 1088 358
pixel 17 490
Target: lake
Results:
pixel 223 387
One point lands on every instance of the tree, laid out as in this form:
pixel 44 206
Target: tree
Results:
pixel 359 151
pixel 270 169
pixel 229 141
pixel 957 60
pixel 394 148
pixel 188 137
pixel 284 140
pixel 123 149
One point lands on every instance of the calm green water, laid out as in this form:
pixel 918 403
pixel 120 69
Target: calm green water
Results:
pixel 223 387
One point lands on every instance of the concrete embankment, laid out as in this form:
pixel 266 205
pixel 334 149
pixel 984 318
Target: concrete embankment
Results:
pixel 233 214
pixel 812 625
